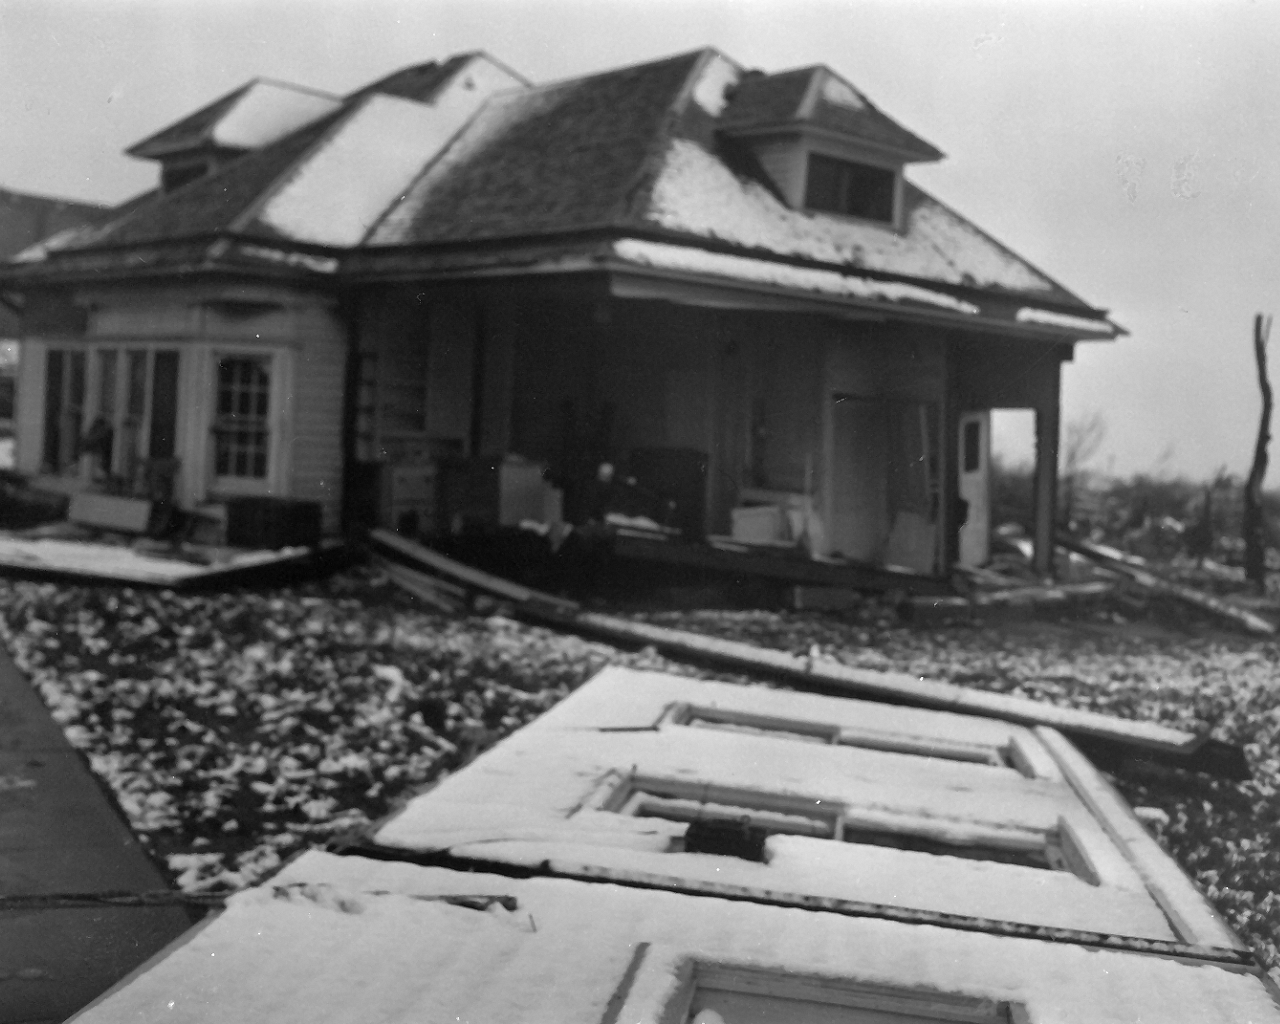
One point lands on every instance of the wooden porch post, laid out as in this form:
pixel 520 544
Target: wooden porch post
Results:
pixel 952 403
pixel 1048 417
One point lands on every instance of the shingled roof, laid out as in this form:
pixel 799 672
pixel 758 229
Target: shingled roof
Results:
pixel 653 151
pixel 258 113
pixel 817 97
pixel 562 157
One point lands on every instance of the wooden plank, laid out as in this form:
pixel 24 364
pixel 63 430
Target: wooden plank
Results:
pixel 895 686
pixel 1137 570
pixel 1023 598
pixel 109 512
pixel 1160 742
pixel 435 592
pixel 487 582
pixel 1190 914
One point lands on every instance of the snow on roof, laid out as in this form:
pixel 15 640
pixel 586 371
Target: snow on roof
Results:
pixel 255 115
pixel 368 161
pixel 748 270
pixel 1051 318
pixel 492 159
pixel 715 82
pixel 336 939
pixel 697 194
pixel 334 195
pixel 283 257
pixel 547 159
pixel 267 111
pixel 537 799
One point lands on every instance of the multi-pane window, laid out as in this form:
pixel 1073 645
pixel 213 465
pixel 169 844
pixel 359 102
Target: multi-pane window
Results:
pixel 63 409
pixel 241 429
pixel 734 821
pixel 857 190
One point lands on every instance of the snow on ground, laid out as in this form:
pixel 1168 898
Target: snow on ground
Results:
pixel 239 728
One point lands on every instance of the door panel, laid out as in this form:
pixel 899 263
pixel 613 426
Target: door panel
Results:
pixel 859 478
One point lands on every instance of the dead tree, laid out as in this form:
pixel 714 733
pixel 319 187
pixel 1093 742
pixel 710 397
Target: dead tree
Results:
pixel 1255 533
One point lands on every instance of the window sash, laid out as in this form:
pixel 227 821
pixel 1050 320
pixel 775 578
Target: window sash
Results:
pixel 850 188
pixel 241 427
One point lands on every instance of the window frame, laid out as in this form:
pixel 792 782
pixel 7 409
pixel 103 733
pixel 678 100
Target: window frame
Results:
pixel 1062 846
pixel 278 369
pixel 682 976
pixel 225 426
pixel 858 160
pixel 844 993
pixel 1013 754
pixel 127 417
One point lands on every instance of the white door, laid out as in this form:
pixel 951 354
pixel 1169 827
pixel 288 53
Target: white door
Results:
pixel 975 486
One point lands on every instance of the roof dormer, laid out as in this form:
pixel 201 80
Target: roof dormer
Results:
pixel 826 147
pixel 255 115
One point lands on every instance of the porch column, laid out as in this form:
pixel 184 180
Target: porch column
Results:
pixel 1048 417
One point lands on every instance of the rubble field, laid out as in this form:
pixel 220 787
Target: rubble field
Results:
pixel 236 729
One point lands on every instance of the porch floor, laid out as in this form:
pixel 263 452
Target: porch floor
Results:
pixel 25 554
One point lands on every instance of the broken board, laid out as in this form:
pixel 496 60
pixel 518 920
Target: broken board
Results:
pixel 1136 570
pixel 1101 734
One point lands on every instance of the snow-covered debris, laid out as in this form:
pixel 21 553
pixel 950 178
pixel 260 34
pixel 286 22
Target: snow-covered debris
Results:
pixel 348 938
pixel 237 728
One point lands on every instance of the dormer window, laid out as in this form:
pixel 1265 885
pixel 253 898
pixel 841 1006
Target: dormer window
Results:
pixel 850 188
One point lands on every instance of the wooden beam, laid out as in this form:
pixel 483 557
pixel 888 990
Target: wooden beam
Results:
pixel 1137 570
pixel 526 597
pixel 1147 739
pixel 1048 425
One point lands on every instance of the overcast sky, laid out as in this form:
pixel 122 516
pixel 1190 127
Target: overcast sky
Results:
pixel 1128 149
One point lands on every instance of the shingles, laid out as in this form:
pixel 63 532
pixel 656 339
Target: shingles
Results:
pixel 597 153
pixel 870 124
pixel 769 101
pixel 209 205
pixel 695 195
pixel 558 158
pixel 761 99
pixel 25 219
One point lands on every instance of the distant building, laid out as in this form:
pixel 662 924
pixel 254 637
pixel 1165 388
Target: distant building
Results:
pixel 719 279
pixel 24 220
pixel 659 849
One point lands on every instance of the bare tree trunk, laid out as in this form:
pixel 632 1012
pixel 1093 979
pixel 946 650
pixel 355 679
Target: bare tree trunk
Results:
pixel 1255 539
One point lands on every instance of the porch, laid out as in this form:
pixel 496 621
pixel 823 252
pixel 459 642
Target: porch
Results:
pixel 850 439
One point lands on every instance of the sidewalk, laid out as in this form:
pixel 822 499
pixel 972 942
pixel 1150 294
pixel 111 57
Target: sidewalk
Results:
pixel 60 833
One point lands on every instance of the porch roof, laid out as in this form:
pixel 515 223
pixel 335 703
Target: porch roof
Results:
pixel 630 153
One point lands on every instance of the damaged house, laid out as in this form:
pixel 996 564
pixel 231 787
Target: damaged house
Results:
pixel 410 303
